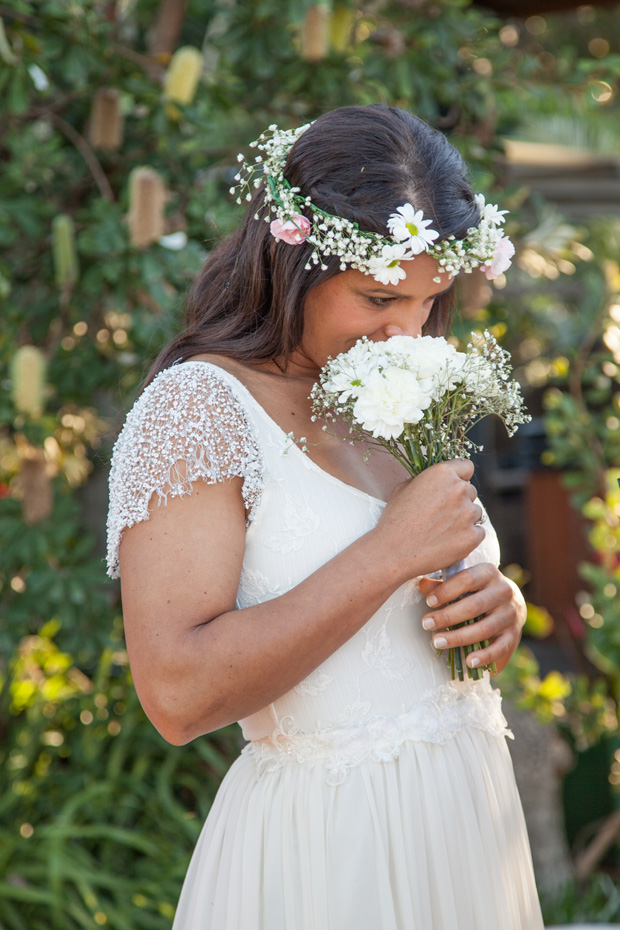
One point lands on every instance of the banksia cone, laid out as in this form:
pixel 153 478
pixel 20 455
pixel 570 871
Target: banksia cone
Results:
pixel 105 127
pixel 315 33
pixel 63 248
pixel 28 377
pixel 182 78
pixel 341 28
pixel 36 485
pixel 147 198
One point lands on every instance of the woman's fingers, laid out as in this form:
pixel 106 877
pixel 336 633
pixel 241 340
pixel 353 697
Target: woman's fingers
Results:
pixel 482 594
pixel 444 598
pixel 500 631
pixel 499 651
pixel 487 627
pixel 430 520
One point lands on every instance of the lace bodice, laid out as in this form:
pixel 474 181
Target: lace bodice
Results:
pixel 187 425
pixel 386 683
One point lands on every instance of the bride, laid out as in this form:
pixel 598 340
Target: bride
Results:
pixel 286 588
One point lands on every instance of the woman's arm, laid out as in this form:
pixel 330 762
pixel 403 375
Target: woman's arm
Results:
pixel 199 664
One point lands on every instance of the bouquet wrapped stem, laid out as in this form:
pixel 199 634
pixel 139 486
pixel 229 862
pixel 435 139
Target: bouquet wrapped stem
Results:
pixel 418 399
pixel 457 658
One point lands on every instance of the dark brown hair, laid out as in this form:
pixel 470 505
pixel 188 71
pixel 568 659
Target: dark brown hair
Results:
pixel 361 163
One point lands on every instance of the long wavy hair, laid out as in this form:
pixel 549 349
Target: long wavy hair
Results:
pixel 361 163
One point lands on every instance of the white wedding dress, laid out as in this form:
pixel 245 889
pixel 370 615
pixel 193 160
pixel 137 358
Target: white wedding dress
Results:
pixel 376 794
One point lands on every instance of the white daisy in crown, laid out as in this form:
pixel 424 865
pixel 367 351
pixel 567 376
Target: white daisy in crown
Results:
pixel 408 225
pixel 386 268
pixel 490 211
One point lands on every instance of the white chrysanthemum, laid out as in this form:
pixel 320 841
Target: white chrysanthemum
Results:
pixel 388 401
pixel 435 362
pixel 386 268
pixel 434 353
pixel 409 226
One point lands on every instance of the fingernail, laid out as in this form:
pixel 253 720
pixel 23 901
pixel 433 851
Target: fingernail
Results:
pixel 431 600
pixel 428 623
pixel 439 642
pixel 474 661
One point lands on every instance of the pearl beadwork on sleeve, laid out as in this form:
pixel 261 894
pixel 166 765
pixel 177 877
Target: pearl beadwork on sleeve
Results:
pixel 187 426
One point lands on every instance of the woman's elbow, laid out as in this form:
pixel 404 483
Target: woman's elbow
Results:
pixel 172 734
pixel 174 715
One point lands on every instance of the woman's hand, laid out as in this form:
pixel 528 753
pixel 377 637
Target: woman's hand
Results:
pixel 432 520
pixel 488 595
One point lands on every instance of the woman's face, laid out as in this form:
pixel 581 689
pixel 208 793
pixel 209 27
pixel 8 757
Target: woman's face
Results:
pixel 351 304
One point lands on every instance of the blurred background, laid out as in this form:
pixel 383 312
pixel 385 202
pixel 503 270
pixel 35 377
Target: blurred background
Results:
pixel 119 126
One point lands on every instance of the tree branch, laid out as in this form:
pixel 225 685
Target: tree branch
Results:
pixel 83 148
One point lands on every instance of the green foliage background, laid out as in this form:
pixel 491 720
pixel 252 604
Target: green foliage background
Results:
pixel 98 814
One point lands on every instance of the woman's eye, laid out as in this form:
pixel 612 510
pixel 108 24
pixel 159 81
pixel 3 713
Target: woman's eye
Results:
pixel 380 301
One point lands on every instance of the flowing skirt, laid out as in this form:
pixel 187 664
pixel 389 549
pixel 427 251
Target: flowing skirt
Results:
pixel 433 840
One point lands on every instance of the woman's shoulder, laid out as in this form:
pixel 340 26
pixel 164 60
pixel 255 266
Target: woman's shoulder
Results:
pixel 189 393
pixel 187 425
pixel 187 405
pixel 200 374
pixel 239 375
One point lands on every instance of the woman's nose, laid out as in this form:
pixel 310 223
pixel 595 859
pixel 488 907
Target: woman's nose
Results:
pixel 411 328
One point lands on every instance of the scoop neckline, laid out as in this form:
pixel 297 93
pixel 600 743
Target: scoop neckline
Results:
pixel 306 458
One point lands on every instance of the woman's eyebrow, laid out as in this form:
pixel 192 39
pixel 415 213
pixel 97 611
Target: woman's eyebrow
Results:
pixel 384 292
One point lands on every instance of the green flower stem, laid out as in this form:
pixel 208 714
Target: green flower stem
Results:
pixel 458 661
pixel 457 656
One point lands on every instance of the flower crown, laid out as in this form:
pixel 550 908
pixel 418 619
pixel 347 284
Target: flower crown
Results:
pixel 483 246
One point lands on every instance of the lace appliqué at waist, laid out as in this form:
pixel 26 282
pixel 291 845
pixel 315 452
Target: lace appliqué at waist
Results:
pixel 436 718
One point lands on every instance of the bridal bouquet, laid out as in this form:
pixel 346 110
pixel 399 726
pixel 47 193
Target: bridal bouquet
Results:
pixel 418 398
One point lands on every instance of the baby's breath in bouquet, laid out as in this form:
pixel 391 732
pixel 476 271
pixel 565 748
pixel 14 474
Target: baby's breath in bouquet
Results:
pixel 418 399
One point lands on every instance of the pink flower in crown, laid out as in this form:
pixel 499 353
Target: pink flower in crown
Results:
pixel 293 231
pixel 501 261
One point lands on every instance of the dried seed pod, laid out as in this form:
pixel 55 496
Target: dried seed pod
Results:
pixel 35 484
pixel 105 127
pixel 181 79
pixel 147 198
pixel 63 250
pixel 315 32
pixel 28 377
pixel 163 37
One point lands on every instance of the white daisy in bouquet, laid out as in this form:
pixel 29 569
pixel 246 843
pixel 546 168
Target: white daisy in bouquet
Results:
pixel 418 398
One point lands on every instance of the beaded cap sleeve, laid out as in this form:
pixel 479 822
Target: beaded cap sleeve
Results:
pixel 188 425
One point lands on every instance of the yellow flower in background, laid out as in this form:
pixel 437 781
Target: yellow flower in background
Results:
pixel 28 376
pixel 554 687
pixel 181 79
